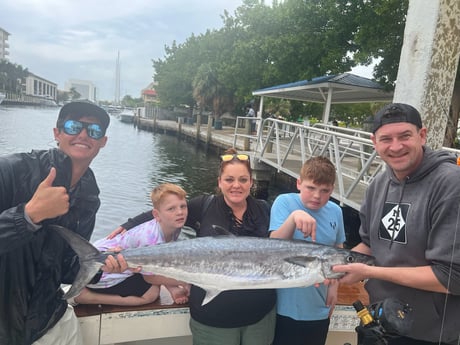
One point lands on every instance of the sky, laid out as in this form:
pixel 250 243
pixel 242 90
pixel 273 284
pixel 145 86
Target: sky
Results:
pixel 60 40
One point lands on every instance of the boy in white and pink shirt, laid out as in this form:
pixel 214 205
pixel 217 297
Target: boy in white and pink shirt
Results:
pixel 128 288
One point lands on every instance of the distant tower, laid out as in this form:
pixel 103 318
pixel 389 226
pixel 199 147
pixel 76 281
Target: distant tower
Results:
pixel 117 81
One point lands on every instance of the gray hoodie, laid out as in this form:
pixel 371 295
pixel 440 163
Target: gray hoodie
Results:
pixel 417 223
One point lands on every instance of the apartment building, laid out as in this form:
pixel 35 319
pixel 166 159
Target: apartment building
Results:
pixel 4 44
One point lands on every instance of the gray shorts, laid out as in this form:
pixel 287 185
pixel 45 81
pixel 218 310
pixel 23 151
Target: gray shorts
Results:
pixel 259 333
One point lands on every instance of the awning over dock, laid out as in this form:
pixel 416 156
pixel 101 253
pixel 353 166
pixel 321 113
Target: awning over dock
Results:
pixel 330 89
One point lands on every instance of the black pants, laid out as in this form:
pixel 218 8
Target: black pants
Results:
pixel 134 285
pixel 292 332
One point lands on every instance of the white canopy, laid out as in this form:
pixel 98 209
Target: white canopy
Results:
pixel 331 89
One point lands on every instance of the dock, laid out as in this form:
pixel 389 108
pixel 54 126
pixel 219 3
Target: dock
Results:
pixel 282 147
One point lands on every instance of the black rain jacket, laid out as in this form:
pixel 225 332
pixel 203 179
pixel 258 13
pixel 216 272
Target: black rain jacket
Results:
pixel 34 262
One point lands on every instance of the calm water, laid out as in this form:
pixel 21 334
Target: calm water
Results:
pixel 127 169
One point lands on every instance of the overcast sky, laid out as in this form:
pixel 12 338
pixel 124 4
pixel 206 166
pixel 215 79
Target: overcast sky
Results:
pixel 80 39
pixel 60 40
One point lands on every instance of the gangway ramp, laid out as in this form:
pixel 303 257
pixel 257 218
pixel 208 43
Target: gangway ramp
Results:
pixel 285 146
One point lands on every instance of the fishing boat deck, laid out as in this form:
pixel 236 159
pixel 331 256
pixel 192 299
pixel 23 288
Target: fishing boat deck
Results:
pixel 163 319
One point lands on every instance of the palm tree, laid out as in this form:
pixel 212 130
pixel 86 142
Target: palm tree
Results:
pixel 209 93
pixel 74 94
pixel 12 76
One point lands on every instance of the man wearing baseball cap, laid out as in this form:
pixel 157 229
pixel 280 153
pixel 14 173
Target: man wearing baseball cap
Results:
pixel 76 109
pixel 409 222
pixel 38 189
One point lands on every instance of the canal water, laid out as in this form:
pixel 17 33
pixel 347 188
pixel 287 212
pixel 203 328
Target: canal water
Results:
pixel 131 164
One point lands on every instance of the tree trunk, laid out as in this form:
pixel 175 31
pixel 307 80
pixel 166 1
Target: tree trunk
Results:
pixel 454 112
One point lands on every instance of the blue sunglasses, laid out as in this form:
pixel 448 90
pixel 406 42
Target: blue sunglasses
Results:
pixel 74 127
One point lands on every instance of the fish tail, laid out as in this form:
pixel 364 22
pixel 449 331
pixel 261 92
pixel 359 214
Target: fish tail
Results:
pixel 89 257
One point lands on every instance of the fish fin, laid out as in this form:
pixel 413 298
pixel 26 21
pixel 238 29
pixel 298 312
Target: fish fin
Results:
pixel 300 260
pixel 89 257
pixel 210 295
pixel 80 245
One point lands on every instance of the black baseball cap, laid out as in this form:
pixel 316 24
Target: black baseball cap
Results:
pixel 396 112
pixel 78 109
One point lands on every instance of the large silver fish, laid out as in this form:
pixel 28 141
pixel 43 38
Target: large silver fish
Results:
pixel 223 263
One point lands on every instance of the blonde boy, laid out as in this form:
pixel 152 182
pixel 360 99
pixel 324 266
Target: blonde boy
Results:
pixel 128 288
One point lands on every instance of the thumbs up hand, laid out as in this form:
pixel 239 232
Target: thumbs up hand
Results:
pixel 47 201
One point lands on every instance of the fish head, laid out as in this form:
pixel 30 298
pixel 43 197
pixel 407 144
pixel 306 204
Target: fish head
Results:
pixel 338 256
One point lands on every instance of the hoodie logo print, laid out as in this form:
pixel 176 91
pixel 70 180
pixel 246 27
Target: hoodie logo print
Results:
pixel 393 223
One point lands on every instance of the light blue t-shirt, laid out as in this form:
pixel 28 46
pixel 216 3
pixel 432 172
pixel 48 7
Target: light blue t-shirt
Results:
pixel 307 303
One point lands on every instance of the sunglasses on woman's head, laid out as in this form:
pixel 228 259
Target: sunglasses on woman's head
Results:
pixel 229 157
pixel 74 127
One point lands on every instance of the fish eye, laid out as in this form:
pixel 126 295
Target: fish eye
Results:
pixel 350 259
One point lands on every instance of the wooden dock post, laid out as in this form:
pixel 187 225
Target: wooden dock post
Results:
pixel 198 127
pixel 261 175
pixel 208 131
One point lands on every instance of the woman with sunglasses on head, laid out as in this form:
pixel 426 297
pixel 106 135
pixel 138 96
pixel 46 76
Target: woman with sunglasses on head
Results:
pixel 38 189
pixel 235 317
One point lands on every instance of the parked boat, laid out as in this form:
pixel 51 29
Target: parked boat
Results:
pixel 127 116
pixel 48 101
pixel 114 110
pixel 163 322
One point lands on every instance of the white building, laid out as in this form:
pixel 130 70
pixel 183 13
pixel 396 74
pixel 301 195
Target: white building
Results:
pixel 4 44
pixel 85 88
pixel 38 86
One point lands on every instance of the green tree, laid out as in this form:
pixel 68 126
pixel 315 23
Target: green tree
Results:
pixel 259 46
pixel 174 74
pixel 74 94
pixel 263 45
pixel 12 77
pixel 379 36
pixel 129 101
pixel 209 92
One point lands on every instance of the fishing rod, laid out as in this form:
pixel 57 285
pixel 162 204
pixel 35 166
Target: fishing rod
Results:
pixel 381 321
